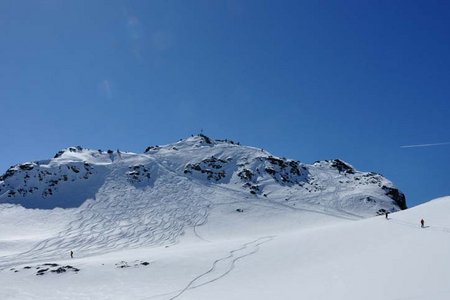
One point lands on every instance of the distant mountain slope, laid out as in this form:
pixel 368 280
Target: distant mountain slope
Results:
pixel 76 174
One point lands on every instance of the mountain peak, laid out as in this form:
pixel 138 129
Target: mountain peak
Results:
pixel 194 141
pixel 76 174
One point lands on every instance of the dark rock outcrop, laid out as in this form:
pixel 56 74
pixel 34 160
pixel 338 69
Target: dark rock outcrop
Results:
pixel 396 195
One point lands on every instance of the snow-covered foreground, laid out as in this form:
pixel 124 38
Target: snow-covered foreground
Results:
pixel 268 251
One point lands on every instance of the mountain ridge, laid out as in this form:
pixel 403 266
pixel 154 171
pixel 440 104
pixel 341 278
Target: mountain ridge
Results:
pixel 76 174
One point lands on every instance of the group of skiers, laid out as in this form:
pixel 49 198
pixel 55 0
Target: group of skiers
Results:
pixel 422 221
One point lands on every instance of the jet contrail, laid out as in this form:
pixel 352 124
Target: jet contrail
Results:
pixel 425 145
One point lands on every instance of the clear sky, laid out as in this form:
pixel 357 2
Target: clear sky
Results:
pixel 307 80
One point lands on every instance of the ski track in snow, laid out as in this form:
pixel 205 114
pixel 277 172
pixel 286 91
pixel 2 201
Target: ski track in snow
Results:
pixel 220 267
pixel 154 217
pixel 331 197
pixel 332 207
pixel 215 273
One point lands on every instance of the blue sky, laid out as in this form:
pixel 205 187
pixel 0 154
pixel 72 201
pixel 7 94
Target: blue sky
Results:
pixel 307 80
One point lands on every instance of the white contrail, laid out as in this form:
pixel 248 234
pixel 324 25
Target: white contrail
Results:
pixel 425 145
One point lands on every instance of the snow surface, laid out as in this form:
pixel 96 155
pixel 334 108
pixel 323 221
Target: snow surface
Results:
pixel 372 258
pixel 205 219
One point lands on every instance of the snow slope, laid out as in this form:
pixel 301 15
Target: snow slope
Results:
pixel 368 259
pixel 198 219
pixel 372 258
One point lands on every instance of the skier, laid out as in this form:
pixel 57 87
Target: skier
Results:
pixel 422 223
pixel 387 215
pixel 71 254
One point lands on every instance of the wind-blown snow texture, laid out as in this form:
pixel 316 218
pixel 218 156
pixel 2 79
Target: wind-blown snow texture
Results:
pixel 200 204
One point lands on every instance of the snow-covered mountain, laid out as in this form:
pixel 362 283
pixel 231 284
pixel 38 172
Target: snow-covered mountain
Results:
pixel 76 174
pixel 128 200
pixel 172 222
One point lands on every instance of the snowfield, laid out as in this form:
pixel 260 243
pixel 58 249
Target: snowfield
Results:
pixel 372 258
pixel 207 219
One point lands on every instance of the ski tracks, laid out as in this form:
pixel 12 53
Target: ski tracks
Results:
pixel 223 266
pixel 124 216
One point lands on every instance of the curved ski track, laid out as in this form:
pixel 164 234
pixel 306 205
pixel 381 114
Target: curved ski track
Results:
pixel 220 267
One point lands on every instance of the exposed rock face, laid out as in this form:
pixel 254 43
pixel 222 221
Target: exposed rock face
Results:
pixel 212 167
pixel 342 167
pixel 138 174
pixel 397 196
pixel 43 181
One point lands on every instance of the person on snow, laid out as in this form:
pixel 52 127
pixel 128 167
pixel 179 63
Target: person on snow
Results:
pixel 387 215
pixel 422 223
pixel 71 254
